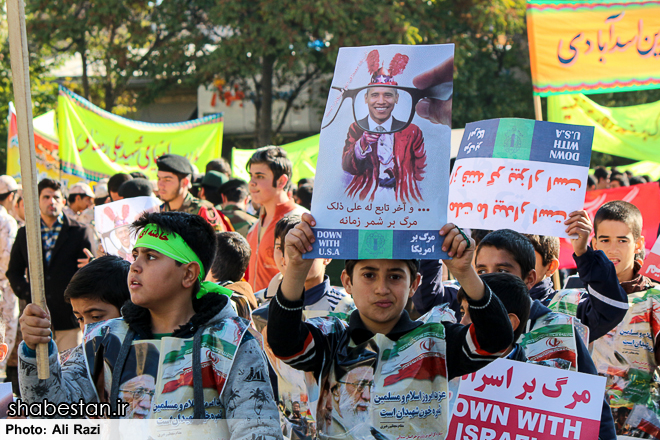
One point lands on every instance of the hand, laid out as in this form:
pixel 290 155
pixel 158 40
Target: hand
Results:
pixel 100 251
pixel 460 265
pixel 82 262
pixel 579 224
pixel 298 242
pixel 35 326
pixel 435 110
pixel 368 139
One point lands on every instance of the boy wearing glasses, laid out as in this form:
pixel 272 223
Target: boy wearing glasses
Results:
pixel 381 374
pixel 179 351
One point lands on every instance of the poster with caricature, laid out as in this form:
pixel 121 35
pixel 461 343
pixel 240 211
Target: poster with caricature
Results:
pixel 383 167
pixel 113 221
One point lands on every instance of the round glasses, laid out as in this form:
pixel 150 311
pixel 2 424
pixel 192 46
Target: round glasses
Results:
pixel 382 108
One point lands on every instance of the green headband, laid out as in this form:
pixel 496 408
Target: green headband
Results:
pixel 172 245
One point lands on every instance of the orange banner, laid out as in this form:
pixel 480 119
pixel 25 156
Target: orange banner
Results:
pixel 593 47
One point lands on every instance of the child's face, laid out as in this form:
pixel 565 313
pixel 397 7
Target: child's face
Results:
pixel 261 183
pixel 380 289
pixel 492 260
pixel 155 280
pixel 89 310
pixel 616 239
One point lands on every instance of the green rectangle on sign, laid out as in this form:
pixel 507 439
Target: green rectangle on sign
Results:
pixel 514 139
pixel 375 245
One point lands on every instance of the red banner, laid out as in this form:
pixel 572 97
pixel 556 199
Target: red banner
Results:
pixel 646 197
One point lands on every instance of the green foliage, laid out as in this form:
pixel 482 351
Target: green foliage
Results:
pixel 44 91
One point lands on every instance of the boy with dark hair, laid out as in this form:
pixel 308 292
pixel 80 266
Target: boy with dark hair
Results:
pixel 99 290
pixel 511 252
pixel 628 355
pixel 513 294
pixel 380 352
pixel 618 179
pixel 207 351
pixel 270 181
pixel 602 176
pixel 231 261
pixel 321 299
pixel 235 199
pixel 115 182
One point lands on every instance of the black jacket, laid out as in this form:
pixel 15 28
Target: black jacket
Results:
pixel 585 365
pixel 73 238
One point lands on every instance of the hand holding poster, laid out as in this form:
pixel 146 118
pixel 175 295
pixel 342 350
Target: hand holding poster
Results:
pixel 512 400
pixel 520 174
pixel 113 221
pixel 382 170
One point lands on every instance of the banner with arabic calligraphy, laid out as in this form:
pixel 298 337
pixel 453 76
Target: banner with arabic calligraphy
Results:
pixel 645 197
pixel 509 399
pixel 593 47
pixel 623 131
pixel 381 183
pixel 519 174
pixel 45 145
pixel 95 144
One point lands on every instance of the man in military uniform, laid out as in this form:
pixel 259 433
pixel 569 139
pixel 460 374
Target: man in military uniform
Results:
pixel 174 174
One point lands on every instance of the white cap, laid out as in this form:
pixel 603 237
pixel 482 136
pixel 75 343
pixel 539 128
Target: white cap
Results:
pixel 101 190
pixel 7 184
pixel 81 188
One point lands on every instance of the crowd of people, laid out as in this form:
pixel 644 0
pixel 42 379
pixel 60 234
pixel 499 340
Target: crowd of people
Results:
pixel 220 314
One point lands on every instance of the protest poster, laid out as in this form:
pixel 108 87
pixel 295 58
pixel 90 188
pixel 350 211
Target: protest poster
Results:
pixel 519 174
pixel 382 170
pixel 513 400
pixel 593 46
pixel 645 197
pixel 651 267
pixel 113 221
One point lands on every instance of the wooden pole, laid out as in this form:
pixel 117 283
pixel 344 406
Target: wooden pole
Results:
pixel 538 110
pixel 20 69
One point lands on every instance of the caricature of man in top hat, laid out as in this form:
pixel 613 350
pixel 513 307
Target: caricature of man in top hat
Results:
pixel 387 156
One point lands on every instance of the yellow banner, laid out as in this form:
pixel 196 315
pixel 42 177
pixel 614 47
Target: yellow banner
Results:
pixel 95 144
pixel 630 132
pixel 593 47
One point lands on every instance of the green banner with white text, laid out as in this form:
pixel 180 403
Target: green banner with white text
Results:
pixel 631 132
pixel 95 143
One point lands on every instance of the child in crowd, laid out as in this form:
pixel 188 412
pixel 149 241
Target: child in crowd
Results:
pixel 99 290
pixel 360 370
pixel 511 252
pixel 207 351
pixel 321 299
pixel 232 258
pixel 628 354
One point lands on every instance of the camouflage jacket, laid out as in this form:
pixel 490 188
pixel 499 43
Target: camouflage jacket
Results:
pixel 193 205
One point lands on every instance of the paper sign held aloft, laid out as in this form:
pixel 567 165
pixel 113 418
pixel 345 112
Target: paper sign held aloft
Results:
pixel 509 400
pixel 382 169
pixel 520 174
pixel 113 221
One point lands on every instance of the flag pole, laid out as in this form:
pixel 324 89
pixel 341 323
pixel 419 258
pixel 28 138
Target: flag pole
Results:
pixel 20 69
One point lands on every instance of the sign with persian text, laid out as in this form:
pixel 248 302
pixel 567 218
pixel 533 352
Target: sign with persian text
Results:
pixel 519 174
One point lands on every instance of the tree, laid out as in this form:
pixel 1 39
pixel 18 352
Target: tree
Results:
pixel 44 91
pixel 124 41
pixel 274 49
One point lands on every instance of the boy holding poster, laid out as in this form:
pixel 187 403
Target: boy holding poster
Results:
pixel 381 374
pixel 628 355
pixel 510 251
pixel 179 352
